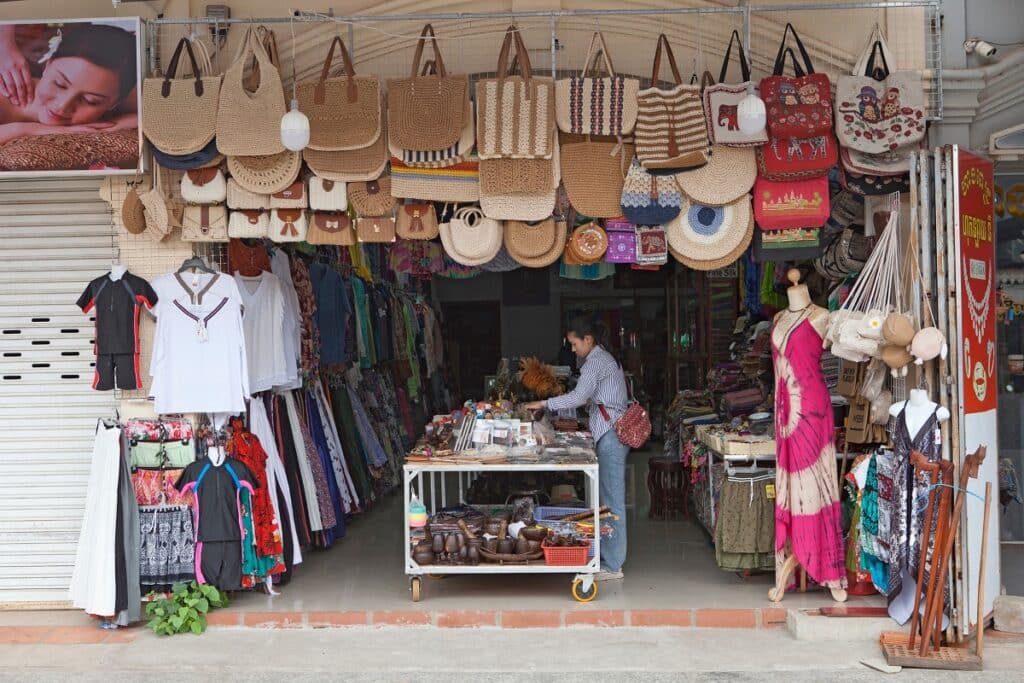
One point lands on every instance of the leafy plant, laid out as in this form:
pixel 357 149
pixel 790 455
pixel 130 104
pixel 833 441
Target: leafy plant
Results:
pixel 185 609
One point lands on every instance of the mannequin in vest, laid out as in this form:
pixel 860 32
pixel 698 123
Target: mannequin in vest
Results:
pixel 919 409
pixel 808 530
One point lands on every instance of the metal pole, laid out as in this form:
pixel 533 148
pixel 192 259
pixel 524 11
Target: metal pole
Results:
pixel 554 49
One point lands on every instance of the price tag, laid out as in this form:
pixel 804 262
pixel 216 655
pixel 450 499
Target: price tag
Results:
pixel 769 490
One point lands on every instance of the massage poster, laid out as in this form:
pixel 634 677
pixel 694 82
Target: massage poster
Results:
pixel 70 97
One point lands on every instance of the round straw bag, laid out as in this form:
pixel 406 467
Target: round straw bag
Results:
pixel 593 173
pixel 588 243
pixel 470 238
pixel 372 198
pixel 729 173
pixel 265 174
pixel 352 165
pixel 709 237
pixel 165 99
pixel 154 204
pixel 535 245
pixel 249 123
pixel 133 213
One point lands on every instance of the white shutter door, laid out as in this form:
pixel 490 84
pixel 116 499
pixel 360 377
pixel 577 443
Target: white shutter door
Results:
pixel 56 236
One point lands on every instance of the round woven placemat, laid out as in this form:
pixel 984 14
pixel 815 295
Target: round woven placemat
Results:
pixel 709 237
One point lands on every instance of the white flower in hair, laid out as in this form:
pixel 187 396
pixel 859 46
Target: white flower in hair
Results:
pixel 52 46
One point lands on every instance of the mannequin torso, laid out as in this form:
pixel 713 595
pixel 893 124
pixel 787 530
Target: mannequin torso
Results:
pixel 800 307
pixel 918 409
pixel 117 271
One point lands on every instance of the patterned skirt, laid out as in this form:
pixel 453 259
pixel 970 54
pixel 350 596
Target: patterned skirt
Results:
pixel 167 549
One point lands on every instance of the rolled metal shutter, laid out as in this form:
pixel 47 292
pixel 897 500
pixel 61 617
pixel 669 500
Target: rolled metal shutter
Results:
pixel 57 235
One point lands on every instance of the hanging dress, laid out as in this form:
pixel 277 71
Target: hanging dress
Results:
pixel 807 514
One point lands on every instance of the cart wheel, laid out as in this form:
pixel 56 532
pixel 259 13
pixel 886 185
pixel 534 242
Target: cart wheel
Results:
pixel 577 591
pixel 415 587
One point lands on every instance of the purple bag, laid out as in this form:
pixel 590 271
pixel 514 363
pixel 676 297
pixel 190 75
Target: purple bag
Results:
pixel 621 241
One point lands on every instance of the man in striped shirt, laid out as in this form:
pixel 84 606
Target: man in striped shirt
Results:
pixel 601 387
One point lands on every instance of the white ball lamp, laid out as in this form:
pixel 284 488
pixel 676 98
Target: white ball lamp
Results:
pixel 751 114
pixel 294 124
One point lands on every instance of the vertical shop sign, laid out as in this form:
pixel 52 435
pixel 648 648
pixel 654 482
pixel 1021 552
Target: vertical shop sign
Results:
pixel 975 215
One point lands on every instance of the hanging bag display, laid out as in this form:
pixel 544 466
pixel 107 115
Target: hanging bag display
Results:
pixel 292 197
pixel 154 208
pixel 416 221
pixel 249 123
pixel 534 244
pixel 878 110
pixel 594 173
pixel 796 158
pixel 515 115
pixel 372 198
pixel 204 223
pixel 722 100
pixel 375 229
pixel 327 195
pixel 203 186
pixel 248 224
pixel 798 106
pixel 590 104
pixel 873 185
pixel 649 199
pixel 520 189
pixel 165 98
pixel 427 112
pixel 621 241
pixel 670 130
pixel 240 198
pixel 470 238
pixel 333 228
pixel 344 111
pixel 791 204
pixel 288 225
pixel 267 173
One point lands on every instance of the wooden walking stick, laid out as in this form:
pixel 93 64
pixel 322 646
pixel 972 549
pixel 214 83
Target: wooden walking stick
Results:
pixel 928 469
pixel 941 526
pixel 979 641
pixel 970 470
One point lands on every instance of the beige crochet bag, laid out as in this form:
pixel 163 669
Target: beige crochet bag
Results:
pixel 248 223
pixel 331 227
pixel 154 205
pixel 344 111
pixel 351 165
pixel 288 225
pixel 372 198
pixel 205 224
pixel 594 173
pixel 249 123
pixel 241 198
pixel 590 104
pixel 165 98
pixel 292 197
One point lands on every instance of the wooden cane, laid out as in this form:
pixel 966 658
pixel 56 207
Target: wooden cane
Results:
pixel 971 465
pixel 979 642
pixel 938 538
pixel 930 471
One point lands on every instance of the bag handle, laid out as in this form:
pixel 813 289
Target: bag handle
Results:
pixel 663 42
pixel 521 56
pixel 319 92
pixel 744 66
pixel 777 71
pixel 425 35
pixel 797 69
pixel 879 73
pixel 592 56
pixel 202 56
pixel 172 69
pixel 876 42
pixel 706 79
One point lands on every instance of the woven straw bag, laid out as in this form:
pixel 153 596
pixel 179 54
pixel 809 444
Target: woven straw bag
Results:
pixel 456 184
pixel 520 189
pixel 593 173
pixel 591 105
pixel 352 165
pixel 250 123
pixel 288 225
pixel 133 213
pixel 729 173
pixel 670 128
pixel 427 112
pixel 375 229
pixel 416 221
pixel 240 198
pixel 441 158
pixel 649 199
pixel 268 39
pixel 327 195
pixel 344 111
pixel 470 238
pixel 205 224
pixel 535 245
pixel 164 99
pixel 515 115
pixel 248 223
pixel 372 198
pixel 203 186
pixel 588 243
pixel 292 197
pixel 154 206
pixel 329 227
pixel 265 174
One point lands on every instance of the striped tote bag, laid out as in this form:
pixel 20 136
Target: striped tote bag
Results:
pixel 671 134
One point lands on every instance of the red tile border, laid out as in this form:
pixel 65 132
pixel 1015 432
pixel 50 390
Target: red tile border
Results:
pixel 23 635
pixel 596 617
pixel 273 619
pixel 726 618
pixel 337 619
pixel 531 619
pixel 123 636
pixel 467 619
pixel 773 617
pixel 661 617
pixel 76 635
pixel 224 618
pixel 406 618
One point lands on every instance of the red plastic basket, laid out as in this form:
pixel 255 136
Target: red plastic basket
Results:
pixel 572 556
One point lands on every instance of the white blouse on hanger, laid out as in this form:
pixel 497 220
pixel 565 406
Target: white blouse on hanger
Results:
pixel 280 266
pixel 263 324
pixel 199 363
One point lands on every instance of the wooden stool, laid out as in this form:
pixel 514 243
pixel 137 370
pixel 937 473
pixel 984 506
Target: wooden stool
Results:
pixel 666 483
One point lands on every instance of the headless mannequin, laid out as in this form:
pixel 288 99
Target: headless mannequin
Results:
pixel 919 409
pixel 800 307
pixel 117 271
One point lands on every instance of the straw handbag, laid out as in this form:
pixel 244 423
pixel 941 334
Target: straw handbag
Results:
pixel 515 115
pixel 249 124
pixel 427 112
pixel 344 111
pixel 592 105
pixel 375 229
pixel 649 199
pixel 520 189
pixel 292 197
pixel 203 186
pixel 240 198
pixel 470 238
pixel 248 223
pixel 594 173
pixel 351 165
pixel 372 198
pixel 205 224
pixel 288 225
pixel 327 195
pixel 721 103
pixel 535 245
pixel 154 208
pixel 441 158
pixel 670 128
pixel 588 244
pixel 333 228
pixel 457 184
pixel 164 99
pixel 133 213
pixel 416 221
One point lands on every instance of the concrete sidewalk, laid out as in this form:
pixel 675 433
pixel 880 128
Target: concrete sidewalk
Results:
pixel 435 655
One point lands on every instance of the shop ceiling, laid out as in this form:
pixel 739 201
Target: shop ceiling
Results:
pixel 382 44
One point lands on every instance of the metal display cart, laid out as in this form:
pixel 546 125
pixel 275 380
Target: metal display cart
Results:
pixel 583 587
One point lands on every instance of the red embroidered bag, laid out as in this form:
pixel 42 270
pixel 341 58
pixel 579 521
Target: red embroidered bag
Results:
pixel 797 106
pixel 791 204
pixel 633 428
pixel 796 158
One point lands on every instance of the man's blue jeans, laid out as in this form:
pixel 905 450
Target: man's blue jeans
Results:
pixel 611 457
